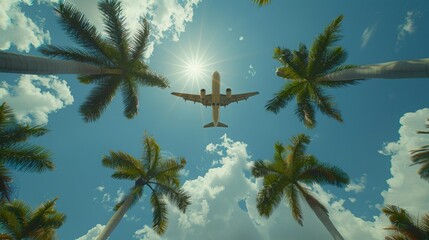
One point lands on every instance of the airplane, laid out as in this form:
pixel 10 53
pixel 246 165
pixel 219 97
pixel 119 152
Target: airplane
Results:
pixel 216 99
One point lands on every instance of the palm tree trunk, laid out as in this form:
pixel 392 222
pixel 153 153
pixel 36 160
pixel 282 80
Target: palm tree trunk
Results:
pixel 418 68
pixel 323 217
pixel 27 64
pixel 116 218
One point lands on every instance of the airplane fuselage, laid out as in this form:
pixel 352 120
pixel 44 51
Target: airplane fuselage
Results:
pixel 215 97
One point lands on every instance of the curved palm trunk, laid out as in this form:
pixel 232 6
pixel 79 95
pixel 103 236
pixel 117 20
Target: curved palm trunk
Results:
pixel 418 68
pixel 323 217
pixel 116 218
pixel 27 64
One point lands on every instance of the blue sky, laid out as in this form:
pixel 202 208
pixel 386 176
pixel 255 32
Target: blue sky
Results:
pixel 237 39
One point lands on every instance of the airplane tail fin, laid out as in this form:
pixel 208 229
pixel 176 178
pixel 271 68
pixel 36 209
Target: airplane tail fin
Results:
pixel 219 124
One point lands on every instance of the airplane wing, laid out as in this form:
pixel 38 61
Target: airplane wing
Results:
pixel 224 100
pixel 207 101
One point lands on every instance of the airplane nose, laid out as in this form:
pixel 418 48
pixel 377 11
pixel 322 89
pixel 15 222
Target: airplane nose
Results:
pixel 216 75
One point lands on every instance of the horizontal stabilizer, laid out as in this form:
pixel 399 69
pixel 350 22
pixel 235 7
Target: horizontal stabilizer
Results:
pixel 219 124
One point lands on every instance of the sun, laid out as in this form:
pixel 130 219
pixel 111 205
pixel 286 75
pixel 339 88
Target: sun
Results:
pixel 195 69
pixel 191 63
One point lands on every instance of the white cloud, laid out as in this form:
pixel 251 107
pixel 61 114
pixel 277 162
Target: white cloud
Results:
pixel 34 97
pixel 18 29
pixel 357 186
pixel 251 71
pixel 216 197
pixel 92 233
pixel 120 194
pixel 367 34
pixel 167 18
pixel 408 27
pixel 106 198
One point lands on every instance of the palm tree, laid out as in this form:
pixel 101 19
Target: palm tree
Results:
pixel 314 70
pixel 18 221
pixel 159 175
pixel 288 176
pixel 421 156
pixel 404 226
pixel 111 63
pixel 262 2
pixel 16 153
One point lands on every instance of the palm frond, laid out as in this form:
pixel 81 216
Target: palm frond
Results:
pixel 262 2
pixel 298 144
pixel 115 28
pixel 147 78
pixel 7 116
pixel 159 207
pixel 151 154
pixel 396 237
pixel 47 217
pixel 294 62
pixel 94 78
pixel 141 41
pixel 75 54
pixel 168 172
pixel 324 173
pixel 80 29
pixel 27 158
pixel 261 168
pixel 279 151
pixel 402 222
pixel 130 99
pixel 121 161
pixel 270 195
pixel 305 110
pixel 176 195
pixel 98 99
pixel 334 57
pixel 425 223
pixel 292 197
pixel 19 133
pixel 5 184
pixel 129 174
pixel 322 45
pixel 285 95
pixel 324 103
pixel 12 216
pixel 421 156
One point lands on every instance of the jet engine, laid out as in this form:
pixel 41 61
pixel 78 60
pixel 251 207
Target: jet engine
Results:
pixel 202 93
pixel 228 93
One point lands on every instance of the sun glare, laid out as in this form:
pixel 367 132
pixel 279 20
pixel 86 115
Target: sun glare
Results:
pixel 192 63
pixel 194 70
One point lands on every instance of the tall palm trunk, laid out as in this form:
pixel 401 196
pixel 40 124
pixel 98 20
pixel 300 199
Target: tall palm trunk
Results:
pixel 26 64
pixel 418 68
pixel 116 218
pixel 321 213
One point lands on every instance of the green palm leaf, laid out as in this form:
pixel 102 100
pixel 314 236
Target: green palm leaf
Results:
pixel 5 184
pixel 160 219
pixel 159 175
pixel 141 41
pixel 306 69
pixel 115 28
pixel 18 221
pixel 80 29
pixel 99 98
pixel 286 175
